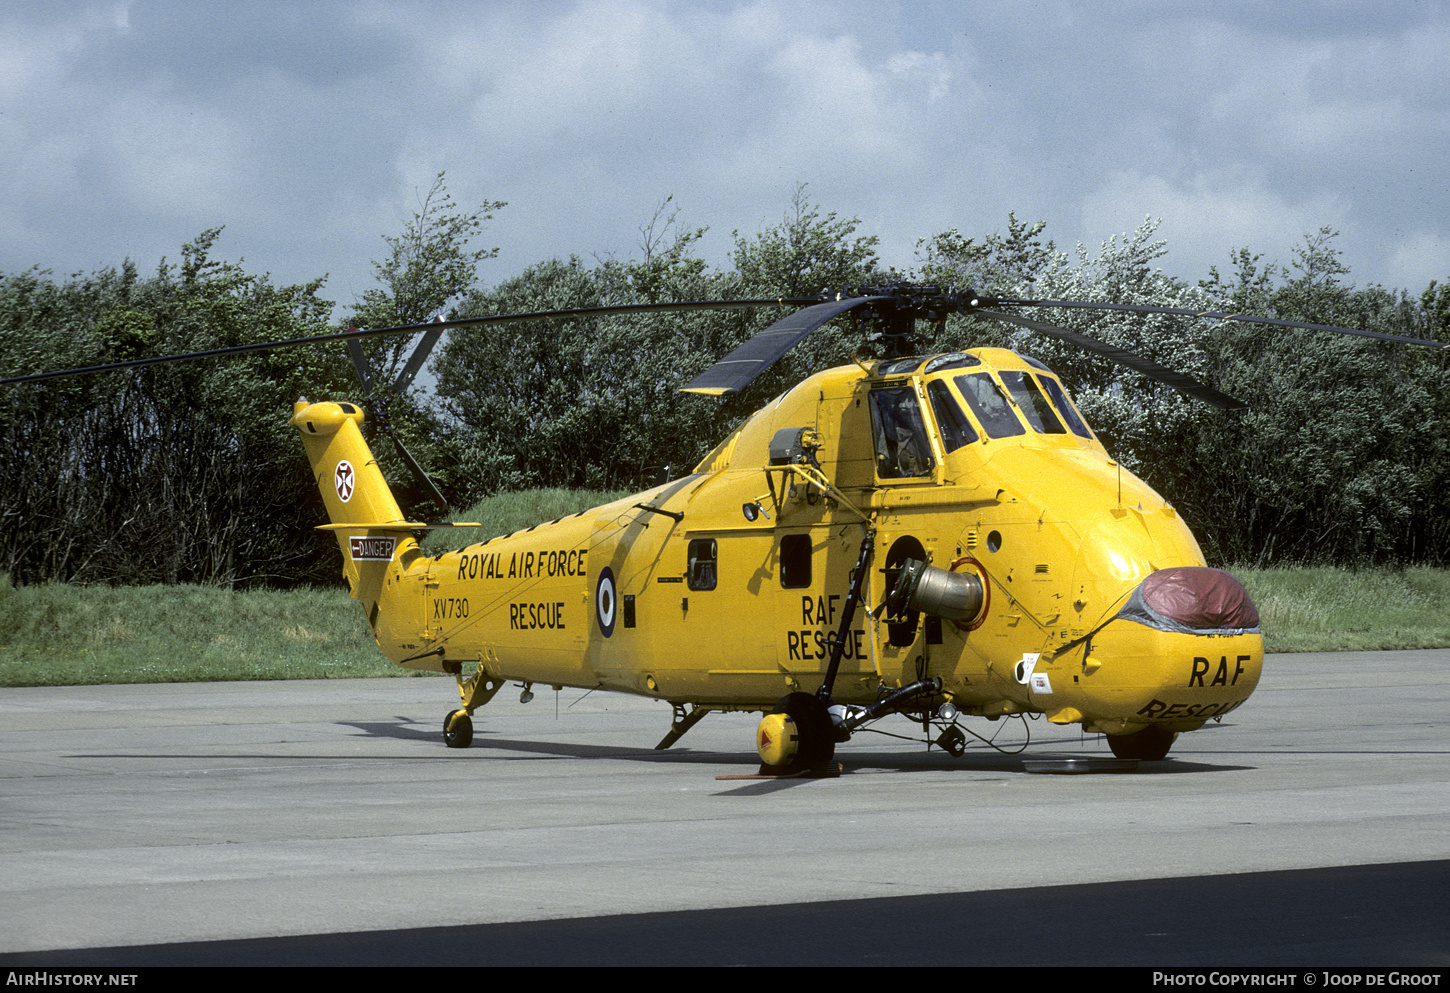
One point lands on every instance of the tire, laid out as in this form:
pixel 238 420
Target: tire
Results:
pixel 457 729
pixel 1150 744
pixel 816 739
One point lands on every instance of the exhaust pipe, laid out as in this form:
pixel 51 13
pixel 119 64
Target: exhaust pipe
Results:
pixel 955 596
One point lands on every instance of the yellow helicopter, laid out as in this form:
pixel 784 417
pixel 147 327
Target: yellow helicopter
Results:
pixel 931 535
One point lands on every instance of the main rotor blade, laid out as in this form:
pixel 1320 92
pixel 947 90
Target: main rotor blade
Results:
pixel 1132 360
pixel 323 339
pixel 735 371
pixel 1136 308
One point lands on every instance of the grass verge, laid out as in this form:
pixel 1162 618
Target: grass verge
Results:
pixel 1341 610
pixel 57 635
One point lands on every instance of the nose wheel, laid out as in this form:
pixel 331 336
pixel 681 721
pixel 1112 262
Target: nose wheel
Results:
pixel 1150 744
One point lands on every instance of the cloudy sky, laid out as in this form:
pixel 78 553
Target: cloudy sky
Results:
pixel 311 129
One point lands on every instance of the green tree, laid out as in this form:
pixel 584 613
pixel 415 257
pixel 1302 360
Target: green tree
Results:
pixel 428 266
pixel 1436 301
pixel 1001 265
pixel 171 473
pixel 804 255
pixel 1141 422
pixel 595 401
pixel 589 401
pixel 1343 455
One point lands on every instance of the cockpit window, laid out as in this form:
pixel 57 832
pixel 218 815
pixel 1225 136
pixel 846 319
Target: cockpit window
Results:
pixel 951 360
pixel 956 430
pixel 902 448
pixel 1031 402
pixel 898 367
pixel 990 405
pixel 1064 407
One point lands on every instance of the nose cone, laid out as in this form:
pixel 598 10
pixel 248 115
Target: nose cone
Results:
pixel 1184 648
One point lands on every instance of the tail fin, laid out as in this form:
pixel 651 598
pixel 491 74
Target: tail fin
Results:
pixel 369 525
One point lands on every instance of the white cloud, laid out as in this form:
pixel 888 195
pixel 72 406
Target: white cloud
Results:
pixel 1207 216
pixel 1416 259
pixel 127 129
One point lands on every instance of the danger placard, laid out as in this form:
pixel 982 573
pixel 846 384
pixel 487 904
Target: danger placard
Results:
pixel 371 549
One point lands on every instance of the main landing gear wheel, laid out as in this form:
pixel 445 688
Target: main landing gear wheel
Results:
pixel 1150 744
pixel 796 737
pixel 457 729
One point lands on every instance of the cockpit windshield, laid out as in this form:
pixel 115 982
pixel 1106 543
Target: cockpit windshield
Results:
pixel 990 404
pixel 956 429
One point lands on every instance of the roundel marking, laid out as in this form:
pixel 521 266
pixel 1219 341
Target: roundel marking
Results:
pixel 605 601
pixel 345 480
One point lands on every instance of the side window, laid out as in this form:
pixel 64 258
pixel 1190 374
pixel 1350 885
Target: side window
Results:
pixel 902 448
pixel 795 561
pixel 990 405
pixel 702 564
pixel 956 430
pixel 1064 407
